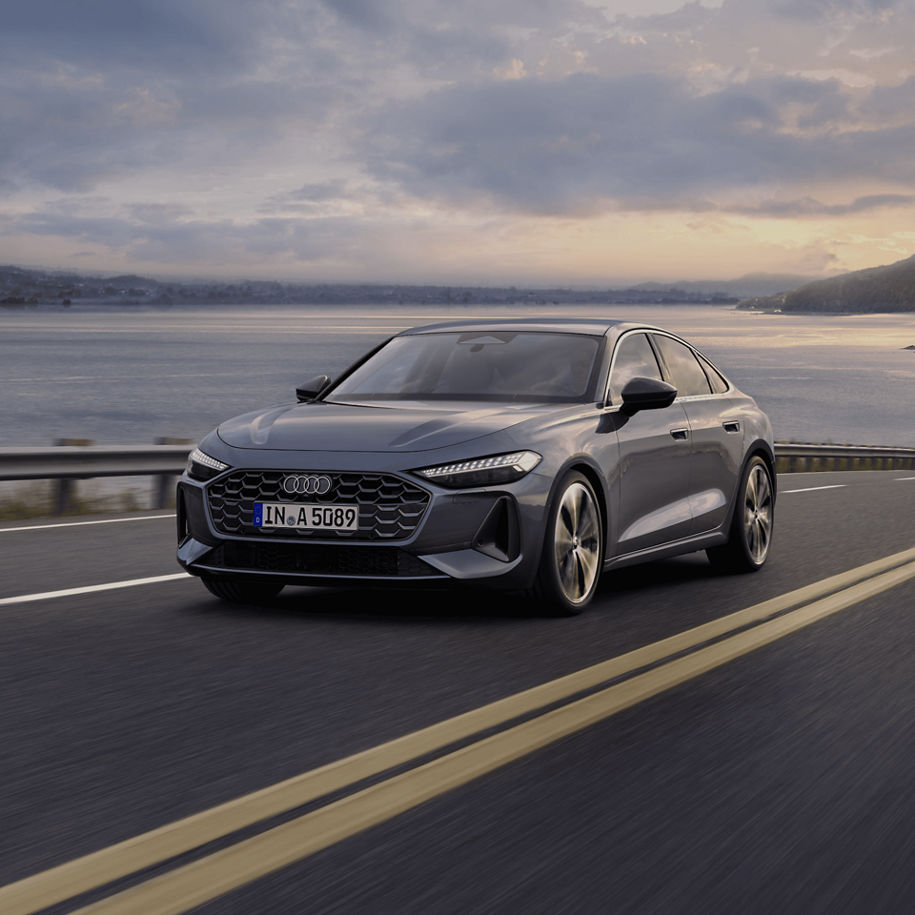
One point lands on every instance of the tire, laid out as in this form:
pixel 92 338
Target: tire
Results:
pixel 573 548
pixel 241 590
pixel 750 535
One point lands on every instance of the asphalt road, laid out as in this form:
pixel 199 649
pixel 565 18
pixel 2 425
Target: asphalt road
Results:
pixel 779 781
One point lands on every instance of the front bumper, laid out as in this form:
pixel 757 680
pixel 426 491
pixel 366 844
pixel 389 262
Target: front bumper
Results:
pixel 492 536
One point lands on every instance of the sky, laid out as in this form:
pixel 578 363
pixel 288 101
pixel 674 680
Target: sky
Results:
pixel 539 142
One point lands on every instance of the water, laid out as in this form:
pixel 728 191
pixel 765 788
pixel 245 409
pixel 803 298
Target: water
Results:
pixel 126 376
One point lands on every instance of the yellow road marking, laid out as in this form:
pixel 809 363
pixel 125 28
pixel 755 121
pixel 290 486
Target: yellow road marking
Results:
pixel 223 871
pixel 98 868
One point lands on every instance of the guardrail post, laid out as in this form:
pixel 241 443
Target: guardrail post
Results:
pixel 164 483
pixel 65 489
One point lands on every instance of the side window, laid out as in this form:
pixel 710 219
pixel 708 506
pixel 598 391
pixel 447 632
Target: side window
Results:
pixel 634 357
pixel 686 374
pixel 716 379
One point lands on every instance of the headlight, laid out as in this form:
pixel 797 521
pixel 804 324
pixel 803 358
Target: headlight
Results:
pixel 201 466
pixel 485 471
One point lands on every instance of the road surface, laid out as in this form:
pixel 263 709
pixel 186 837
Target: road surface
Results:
pixel 733 768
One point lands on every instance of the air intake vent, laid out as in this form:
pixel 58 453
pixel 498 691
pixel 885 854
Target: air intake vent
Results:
pixel 319 559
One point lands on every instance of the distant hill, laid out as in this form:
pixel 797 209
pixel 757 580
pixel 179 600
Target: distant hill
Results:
pixel 744 287
pixel 877 289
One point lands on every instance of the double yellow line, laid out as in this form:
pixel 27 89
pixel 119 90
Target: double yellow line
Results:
pixel 705 647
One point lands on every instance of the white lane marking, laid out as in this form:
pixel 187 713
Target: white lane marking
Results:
pixel 785 492
pixel 89 589
pixel 901 479
pixel 44 527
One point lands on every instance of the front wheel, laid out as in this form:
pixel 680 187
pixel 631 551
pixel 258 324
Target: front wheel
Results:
pixel 751 527
pixel 237 590
pixel 573 549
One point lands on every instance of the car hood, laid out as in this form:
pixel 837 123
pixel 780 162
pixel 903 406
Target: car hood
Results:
pixel 359 427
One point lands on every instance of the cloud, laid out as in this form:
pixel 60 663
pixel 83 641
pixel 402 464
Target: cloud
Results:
pixel 809 206
pixel 411 90
pixel 310 199
pixel 197 36
pixel 586 143
pixel 320 191
pixel 686 18
pixel 232 130
pixel 818 10
pixel 102 89
pixel 72 134
pixel 192 240
pixel 158 213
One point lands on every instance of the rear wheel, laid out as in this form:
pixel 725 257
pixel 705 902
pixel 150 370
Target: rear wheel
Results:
pixel 751 527
pixel 573 548
pixel 242 590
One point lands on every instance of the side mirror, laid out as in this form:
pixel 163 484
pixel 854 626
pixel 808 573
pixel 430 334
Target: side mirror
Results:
pixel 312 388
pixel 647 394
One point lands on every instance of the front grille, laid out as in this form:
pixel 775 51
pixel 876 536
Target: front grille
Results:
pixel 319 559
pixel 389 508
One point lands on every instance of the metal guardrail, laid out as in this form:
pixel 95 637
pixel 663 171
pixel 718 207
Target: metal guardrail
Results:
pixel 66 463
pixel 792 457
pixel 83 461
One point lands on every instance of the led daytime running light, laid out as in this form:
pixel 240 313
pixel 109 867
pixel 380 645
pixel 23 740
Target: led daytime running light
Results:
pixel 522 461
pixel 199 457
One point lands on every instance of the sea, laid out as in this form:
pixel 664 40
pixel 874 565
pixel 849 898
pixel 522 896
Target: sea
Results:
pixel 131 375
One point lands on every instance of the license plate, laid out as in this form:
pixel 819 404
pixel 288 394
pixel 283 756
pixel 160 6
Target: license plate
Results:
pixel 298 516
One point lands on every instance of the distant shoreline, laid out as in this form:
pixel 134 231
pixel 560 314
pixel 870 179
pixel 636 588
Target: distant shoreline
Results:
pixel 23 288
pixel 101 304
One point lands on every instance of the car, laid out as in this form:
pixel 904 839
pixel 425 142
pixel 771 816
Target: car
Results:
pixel 522 455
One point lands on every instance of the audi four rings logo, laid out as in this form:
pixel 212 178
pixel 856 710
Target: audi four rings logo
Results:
pixel 308 485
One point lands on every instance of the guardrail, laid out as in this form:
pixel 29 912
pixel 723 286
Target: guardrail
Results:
pixel 67 463
pixel 792 457
pixel 76 461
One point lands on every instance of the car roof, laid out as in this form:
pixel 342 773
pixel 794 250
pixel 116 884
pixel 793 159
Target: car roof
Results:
pixel 593 326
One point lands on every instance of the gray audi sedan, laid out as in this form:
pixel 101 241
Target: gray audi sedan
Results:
pixel 524 455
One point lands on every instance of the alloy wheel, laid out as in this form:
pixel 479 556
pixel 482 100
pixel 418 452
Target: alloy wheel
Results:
pixel 757 516
pixel 576 543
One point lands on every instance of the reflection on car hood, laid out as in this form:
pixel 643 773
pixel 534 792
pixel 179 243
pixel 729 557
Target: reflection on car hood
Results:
pixel 359 427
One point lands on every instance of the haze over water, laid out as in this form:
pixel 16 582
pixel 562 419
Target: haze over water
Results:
pixel 127 376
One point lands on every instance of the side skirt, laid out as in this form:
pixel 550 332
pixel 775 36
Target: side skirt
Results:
pixel 666 550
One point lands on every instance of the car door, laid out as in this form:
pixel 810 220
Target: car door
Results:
pixel 715 433
pixel 653 505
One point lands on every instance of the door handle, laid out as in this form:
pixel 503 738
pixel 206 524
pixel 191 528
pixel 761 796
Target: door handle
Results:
pixel 731 426
pixel 681 435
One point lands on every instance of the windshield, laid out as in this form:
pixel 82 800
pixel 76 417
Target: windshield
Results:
pixel 491 366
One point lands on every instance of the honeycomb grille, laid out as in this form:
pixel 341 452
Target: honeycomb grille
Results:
pixel 319 559
pixel 389 508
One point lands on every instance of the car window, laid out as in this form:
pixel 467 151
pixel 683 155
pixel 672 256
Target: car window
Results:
pixel 489 365
pixel 634 357
pixel 716 379
pixel 686 375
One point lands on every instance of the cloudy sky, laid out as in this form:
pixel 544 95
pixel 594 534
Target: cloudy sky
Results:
pixel 458 141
